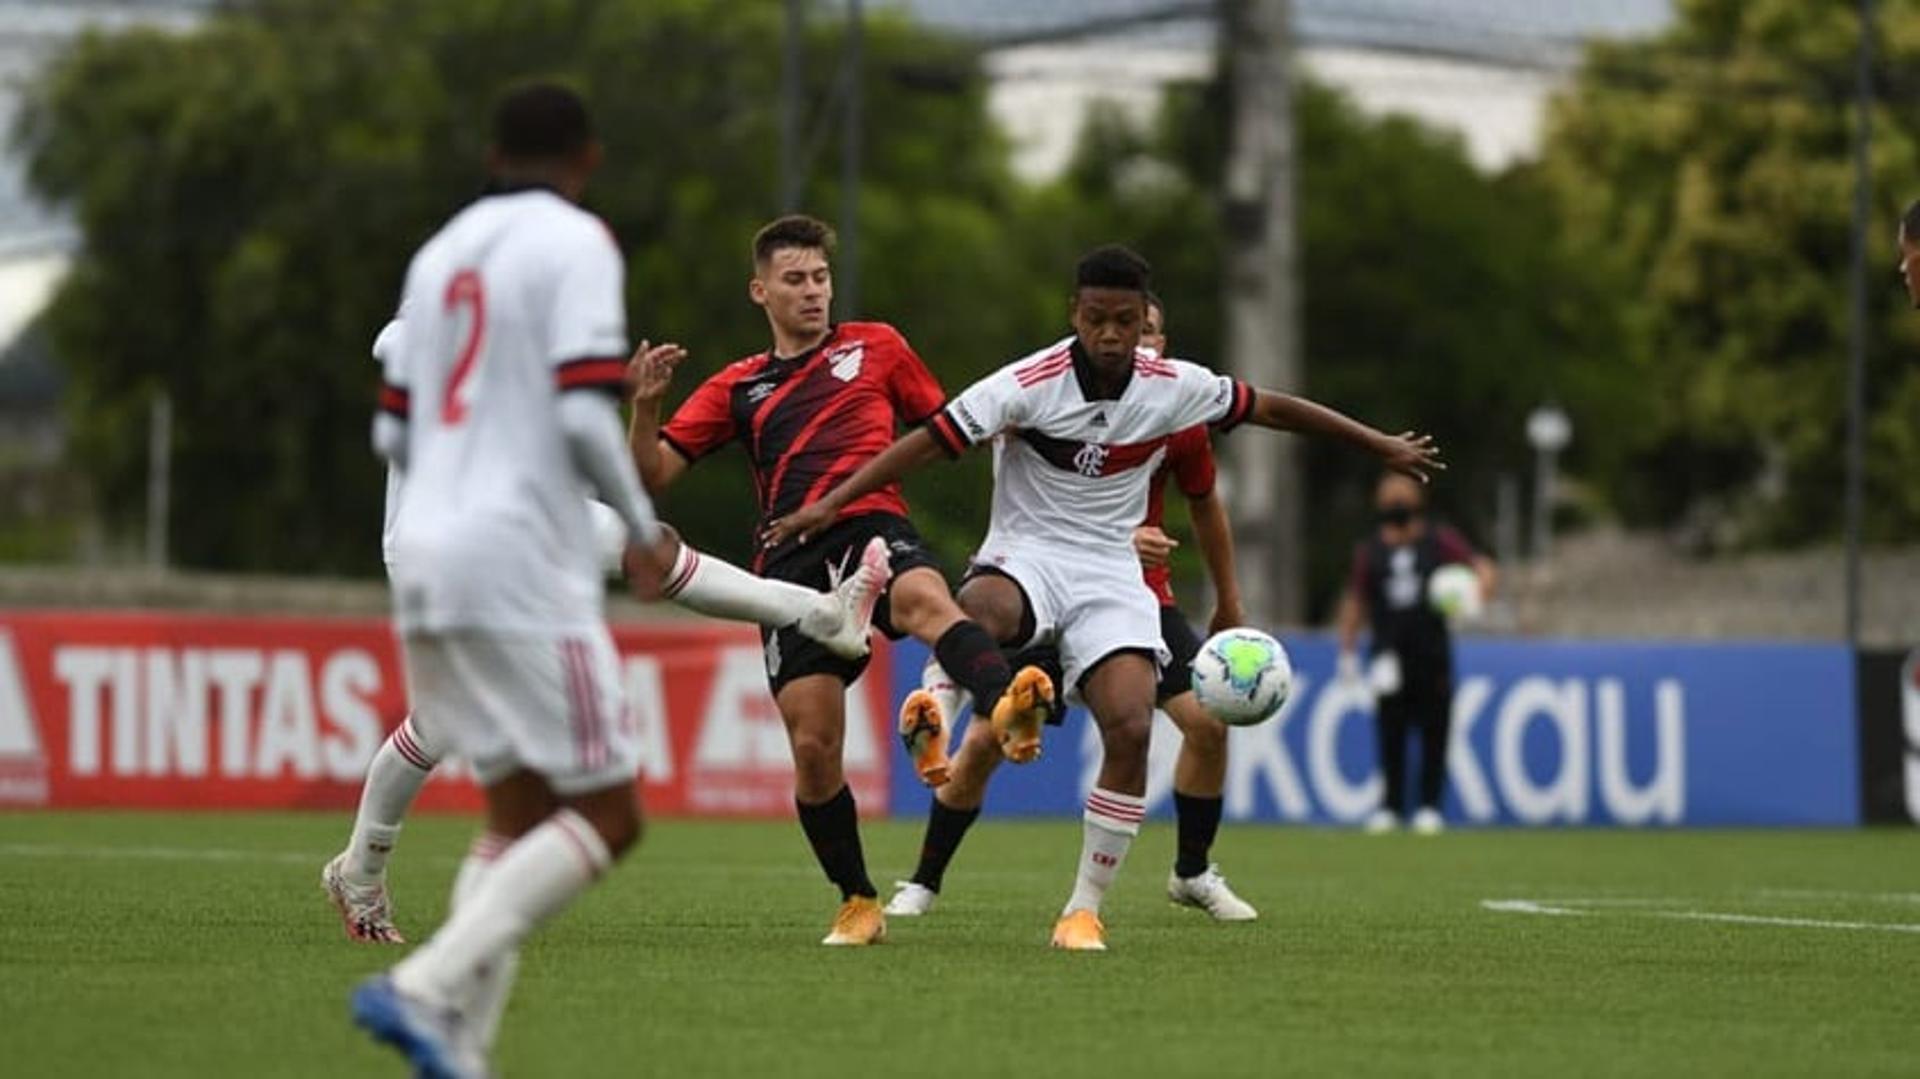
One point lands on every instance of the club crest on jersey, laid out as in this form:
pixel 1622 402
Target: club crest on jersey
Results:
pixel 1090 459
pixel 845 366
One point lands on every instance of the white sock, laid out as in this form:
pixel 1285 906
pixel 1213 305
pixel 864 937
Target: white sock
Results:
pixel 952 697
pixel 1111 821
pixel 492 983
pixel 721 589
pixel 399 768
pixel 533 881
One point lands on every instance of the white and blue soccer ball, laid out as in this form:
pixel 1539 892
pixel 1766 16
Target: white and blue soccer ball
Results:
pixel 1242 676
pixel 1454 591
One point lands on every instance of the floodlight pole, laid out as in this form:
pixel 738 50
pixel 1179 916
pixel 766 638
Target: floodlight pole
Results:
pixel 792 105
pixel 846 267
pixel 1857 362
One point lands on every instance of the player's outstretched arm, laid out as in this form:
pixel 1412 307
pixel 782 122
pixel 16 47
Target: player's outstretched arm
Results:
pixel 1408 452
pixel 1215 536
pixel 909 452
pixel 649 373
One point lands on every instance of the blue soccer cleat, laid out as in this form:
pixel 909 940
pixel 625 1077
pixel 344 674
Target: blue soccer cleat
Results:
pixel 429 1035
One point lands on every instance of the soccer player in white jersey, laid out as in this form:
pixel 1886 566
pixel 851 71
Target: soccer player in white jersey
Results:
pixel 501 407
pixel 1078 429
pixel 355 880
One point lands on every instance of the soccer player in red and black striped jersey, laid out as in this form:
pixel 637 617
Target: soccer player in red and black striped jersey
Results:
pixel 823 401
pixel 1200 772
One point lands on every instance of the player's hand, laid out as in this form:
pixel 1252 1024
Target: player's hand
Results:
pixel 1153 546
pixel 650 370
pixel 1226 616
pixel 1416 455
pixel 804 523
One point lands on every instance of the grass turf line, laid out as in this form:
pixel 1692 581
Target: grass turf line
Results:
pixel 164 945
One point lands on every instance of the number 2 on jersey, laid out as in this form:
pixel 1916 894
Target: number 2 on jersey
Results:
pixel 464 291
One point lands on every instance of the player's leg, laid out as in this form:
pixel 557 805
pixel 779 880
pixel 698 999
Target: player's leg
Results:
pixel 920 605
pixel 956 803
pixel 1199 781
pixel 1435 723
pixel 838 618
pixel 356 879
pixel 1118 689
pixel 813 706
pixel 1390 728
pixel 1009 614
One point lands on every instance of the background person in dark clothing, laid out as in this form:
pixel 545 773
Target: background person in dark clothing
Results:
pixel 1411 664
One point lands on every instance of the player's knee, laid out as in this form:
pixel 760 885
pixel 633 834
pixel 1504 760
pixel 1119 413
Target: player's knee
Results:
pixel 816 755
pixel 1127 737
pixel 666 546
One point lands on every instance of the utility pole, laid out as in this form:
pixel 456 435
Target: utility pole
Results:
pixel 1857 358
pixel 1263 338
pixel 846 268
pixel 792 105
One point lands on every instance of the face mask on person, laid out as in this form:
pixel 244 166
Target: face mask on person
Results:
pixel 1398 514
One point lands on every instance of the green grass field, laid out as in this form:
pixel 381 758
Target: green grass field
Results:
pixel 193 945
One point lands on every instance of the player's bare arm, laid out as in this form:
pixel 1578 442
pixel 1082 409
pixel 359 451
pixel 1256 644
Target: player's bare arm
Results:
pixel 1414 454
pixel 909 453
pixel 649 373
pixel 1215 536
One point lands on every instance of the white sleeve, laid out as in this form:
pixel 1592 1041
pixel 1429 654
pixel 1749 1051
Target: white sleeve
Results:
pixel 395 404
pixel 598 443
pixel 1201 396
pixel 588 318
pixel 981 411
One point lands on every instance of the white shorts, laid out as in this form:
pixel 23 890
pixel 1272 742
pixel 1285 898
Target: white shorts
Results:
pixel 548 703
pixel 1088 607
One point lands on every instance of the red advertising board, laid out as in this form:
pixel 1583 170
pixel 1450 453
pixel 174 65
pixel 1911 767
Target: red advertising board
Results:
pixel 171 710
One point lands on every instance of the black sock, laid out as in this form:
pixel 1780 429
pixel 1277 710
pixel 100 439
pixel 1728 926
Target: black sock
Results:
pixel 1198 822
pixel 833 827
pixel 975 663
pixel 946 827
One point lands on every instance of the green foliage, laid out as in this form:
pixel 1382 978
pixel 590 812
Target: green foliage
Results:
pixel 250 193
pixel 1708 175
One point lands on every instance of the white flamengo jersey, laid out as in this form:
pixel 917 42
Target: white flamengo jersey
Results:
pixel 517 299
pixel 1071 470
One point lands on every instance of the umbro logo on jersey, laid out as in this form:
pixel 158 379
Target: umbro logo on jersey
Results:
pixel 1099 419
pixel 846 365
pixel 759 391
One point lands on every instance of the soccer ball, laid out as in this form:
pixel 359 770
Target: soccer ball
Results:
pixel 1454 591
pixel 1242 676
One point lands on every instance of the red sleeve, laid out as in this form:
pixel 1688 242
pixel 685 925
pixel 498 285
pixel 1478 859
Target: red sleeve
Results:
pixel 703 422
pixel 1452 546
pixel 1357 580
pixel 1190 457
pixel 915 393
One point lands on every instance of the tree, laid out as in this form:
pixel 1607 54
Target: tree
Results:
pixel 249 194
pixel 1707 173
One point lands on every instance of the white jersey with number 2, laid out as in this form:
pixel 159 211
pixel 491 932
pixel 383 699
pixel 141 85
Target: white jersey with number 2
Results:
pixel 514 301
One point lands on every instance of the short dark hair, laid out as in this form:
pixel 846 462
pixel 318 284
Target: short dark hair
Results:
pixel 793 230
pixel 541 121
pixel 1153 300
pixel 1910 222
pixel 1113 266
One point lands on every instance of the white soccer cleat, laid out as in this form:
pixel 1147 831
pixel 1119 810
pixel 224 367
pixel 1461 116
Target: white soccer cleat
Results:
pixel 365 909
pixel 1428 822
pixel 842 619
pixel 1209 892
pixel 911 901
pixel 433 1039
pixel 1382 821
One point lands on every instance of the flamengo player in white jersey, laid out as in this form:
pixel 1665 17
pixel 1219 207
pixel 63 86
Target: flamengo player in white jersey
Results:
pixel 355 880
pixel 501 406
pixel 1078 429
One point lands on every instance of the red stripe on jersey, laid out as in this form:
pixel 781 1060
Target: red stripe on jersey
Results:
pixel 1155 369
pixel 394 400
pixel 1044 368
pixel 1091 458
pixel 946 433
pixel 1046 374
pixel 596 373
pixel 799 443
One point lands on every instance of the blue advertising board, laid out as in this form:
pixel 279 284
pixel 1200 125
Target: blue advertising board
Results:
pixel 1544 733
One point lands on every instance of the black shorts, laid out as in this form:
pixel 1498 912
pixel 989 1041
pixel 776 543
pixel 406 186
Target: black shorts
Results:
pixel 1176 678
pixel 790 653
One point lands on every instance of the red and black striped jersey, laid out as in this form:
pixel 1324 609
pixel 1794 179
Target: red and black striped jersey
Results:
pixel 1190 462
pixel 809 421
